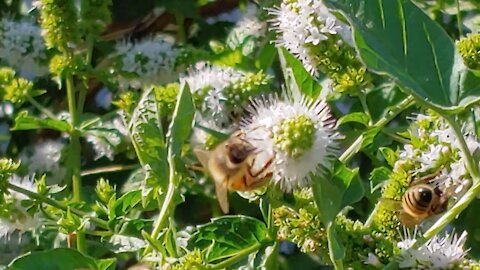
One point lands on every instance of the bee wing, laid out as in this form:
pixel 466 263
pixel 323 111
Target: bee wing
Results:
pixel 203 156
pixel 222 195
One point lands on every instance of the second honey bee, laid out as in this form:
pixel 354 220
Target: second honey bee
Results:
pixel 421 201
pixel 230 165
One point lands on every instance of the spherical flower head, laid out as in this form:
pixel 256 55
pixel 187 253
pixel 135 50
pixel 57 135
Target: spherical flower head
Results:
pixel 149 61
pixel 297 132
pixel 469 48
pixel 203 77
pixel 301 25
pixel 440 252
pixel 22 47
pixel 46 157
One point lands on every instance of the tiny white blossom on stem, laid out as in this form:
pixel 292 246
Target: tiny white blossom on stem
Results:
pixel 299 133
pixel 146 62
pixel 23 47
pixel 440 252
pixel 303 24
pixel 46 157
pixel 19 219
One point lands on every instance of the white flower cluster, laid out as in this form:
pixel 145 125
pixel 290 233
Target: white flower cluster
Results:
pixel 146 62
pixel 45 157
pixel 246 34
pixel 107 137
pixel 303 24
pixel 298 133
pixel 440 252
pixel 22 47
pixel 438 147
pixel 19 219
pixel 209 82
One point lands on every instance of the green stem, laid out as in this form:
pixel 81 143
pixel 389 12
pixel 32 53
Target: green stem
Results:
pixel 363 101
pixel 181 27
pixel 356 145
pixel 100 222
pixel 459 18
pixel 108 169
pixel 228 262
pixel 73 161
pixel 40 107
pixel 164 211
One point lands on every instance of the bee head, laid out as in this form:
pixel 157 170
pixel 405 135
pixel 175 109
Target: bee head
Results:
pixel 239 151
pixel 424 195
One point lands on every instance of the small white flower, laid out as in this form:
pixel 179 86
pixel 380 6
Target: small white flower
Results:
pixel 440 252
pixel 297 132
pixel 372 259
pixel 246 34
pixel 19 219
pixel 203 77
pixel 302 24
pixel 22 47
pixel 46 157
pixel 147 62
pixel 106 139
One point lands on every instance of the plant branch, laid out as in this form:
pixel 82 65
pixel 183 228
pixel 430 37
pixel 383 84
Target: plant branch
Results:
pixel 100 222
pixel 108 169
pixel 355 146
pixel 228 262
pixel 40 107
pixel 163 216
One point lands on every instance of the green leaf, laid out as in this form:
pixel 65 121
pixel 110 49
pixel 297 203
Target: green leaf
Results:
pixel 125 203
pixel 306 84
pixel 60 258
pixel 396 38
pixel 329 191
pixel 368 137
pixel 148 140
pixel 229 236
pixel 390 156
pixel 378 177
pixel 265 57
pixel 335 247
pixel 382 99
pixel 182 122
pixel 354 192
pixel 23 121
pixel 357 117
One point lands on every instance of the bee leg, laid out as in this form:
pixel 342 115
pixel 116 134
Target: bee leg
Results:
pixel 425 179
pixel 255 182
pixel 196 168
pixel 263 168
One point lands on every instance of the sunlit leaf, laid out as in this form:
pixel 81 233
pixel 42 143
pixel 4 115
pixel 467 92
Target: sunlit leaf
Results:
pixel 60 258
pixel 23 121
pixel 228 236
pixel 398 39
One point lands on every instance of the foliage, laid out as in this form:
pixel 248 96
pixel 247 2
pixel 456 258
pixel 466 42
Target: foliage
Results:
pixel 319 122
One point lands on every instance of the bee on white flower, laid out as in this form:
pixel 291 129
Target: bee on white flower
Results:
pixel 299 132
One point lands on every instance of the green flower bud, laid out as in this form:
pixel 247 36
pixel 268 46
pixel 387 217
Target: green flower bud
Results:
pixel 104 190
pixel 167 98
pixel 69 223
pixel 192 260
pixel 469 49
pixel 59 22
pixel 295 135
pixel 240 90
pixel 15 89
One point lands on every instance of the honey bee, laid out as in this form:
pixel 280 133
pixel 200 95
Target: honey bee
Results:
pixel 230 165
pixel 421 201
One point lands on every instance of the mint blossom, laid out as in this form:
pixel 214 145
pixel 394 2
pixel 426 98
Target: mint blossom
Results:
pixel 22 47
pixel 299 133
pixel 303 24
pixel 146 62
pixel 440 252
